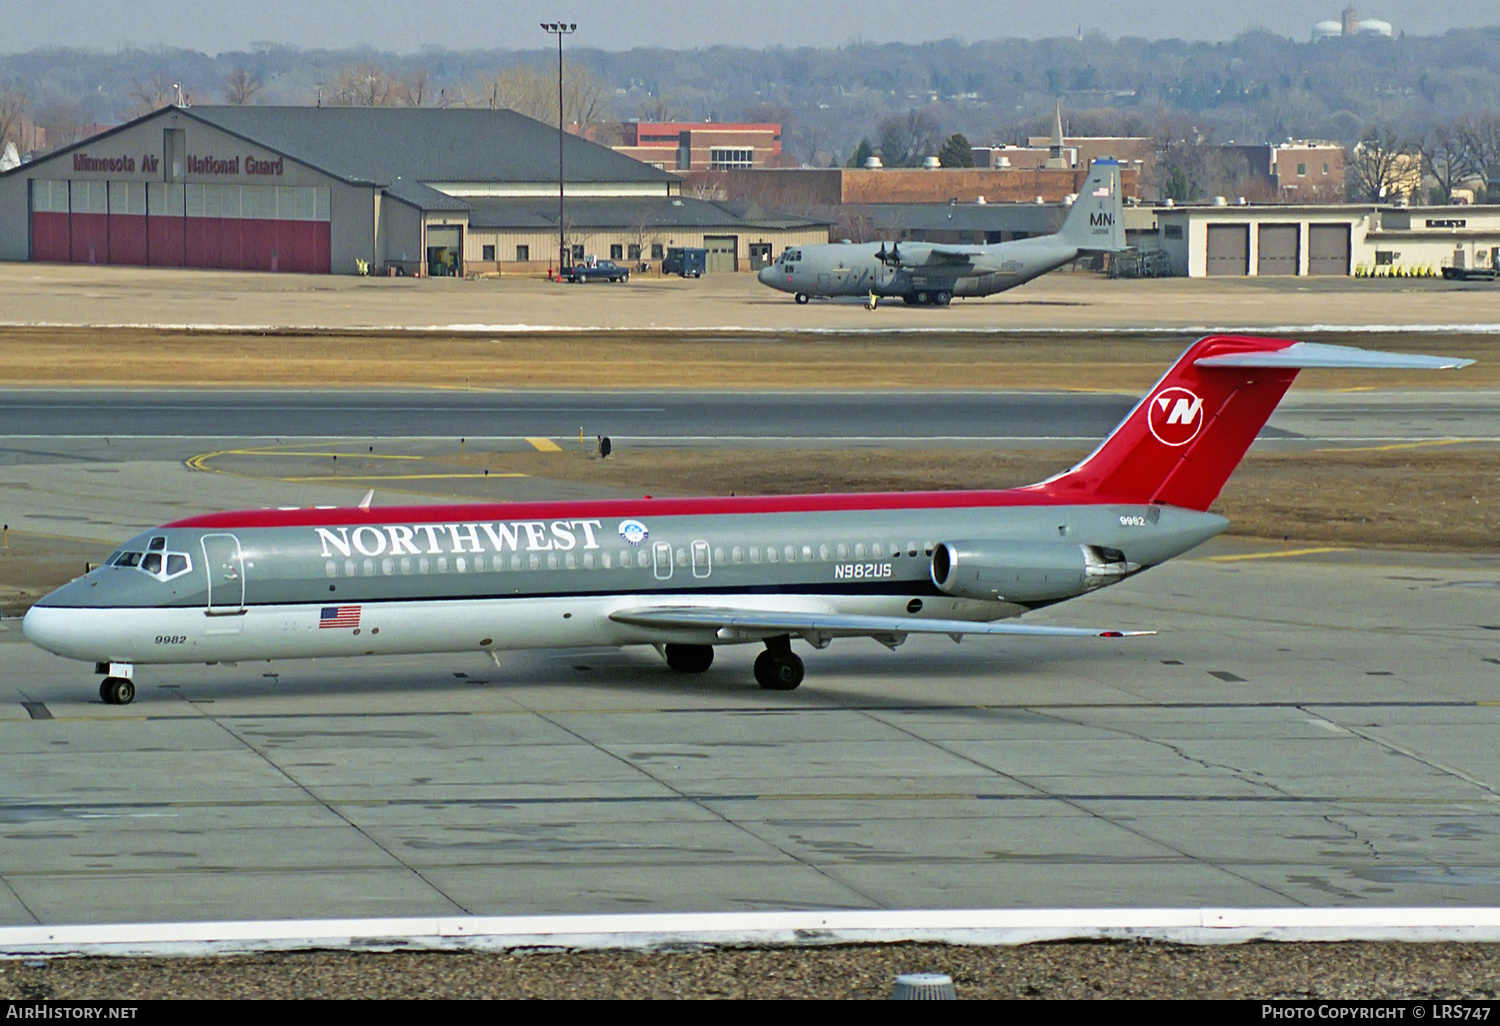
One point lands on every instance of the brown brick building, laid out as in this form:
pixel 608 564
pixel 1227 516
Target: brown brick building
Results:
pixel 800 189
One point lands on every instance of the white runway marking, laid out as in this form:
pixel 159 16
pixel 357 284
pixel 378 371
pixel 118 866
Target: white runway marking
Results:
pixel 737 929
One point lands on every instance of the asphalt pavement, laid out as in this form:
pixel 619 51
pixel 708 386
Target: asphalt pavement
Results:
pixel 1073 417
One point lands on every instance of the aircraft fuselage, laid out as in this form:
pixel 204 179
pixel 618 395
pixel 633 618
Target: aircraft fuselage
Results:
pixel 305 583
pixel 850 269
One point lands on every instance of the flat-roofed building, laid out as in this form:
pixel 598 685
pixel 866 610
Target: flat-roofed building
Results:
pixel 701 145
pixel 1326 239
pixel 1294 172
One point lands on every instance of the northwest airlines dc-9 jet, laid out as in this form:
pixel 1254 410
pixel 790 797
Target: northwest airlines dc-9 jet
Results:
pixel 927 272
pixel 686 575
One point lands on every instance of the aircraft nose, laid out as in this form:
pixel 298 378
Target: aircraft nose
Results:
pixel 767 275
pixel 48 628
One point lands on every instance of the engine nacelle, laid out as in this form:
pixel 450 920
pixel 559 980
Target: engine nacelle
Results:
pixel 1024 572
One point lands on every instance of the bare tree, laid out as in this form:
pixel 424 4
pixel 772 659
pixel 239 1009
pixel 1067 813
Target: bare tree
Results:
pixel 644 227
pixel 658 107
pixel 240 86
pixel 364 85
pixel 856 224
pixel 905 139
pixel 153 93
pixel 12 107
pixel 416 89
pixel 1483 134
pixel 62 123
pixel 1382 165
pixel 709 187
pixel 533 93
pixel 1449 158
pixel 1189 166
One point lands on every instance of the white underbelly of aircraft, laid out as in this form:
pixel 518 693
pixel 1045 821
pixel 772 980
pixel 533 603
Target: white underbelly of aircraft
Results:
pixel 175 635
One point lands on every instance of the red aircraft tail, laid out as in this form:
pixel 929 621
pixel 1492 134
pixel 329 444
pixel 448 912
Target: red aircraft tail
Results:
pixel 1184 439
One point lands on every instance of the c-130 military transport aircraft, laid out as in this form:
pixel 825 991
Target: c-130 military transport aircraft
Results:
pixel 929 272
pixel 688 574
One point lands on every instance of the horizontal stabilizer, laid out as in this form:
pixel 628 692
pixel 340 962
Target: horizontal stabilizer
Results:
pixel 759 623
pixel 1310 355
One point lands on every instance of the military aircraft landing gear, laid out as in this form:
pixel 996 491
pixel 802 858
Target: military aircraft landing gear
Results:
pixel 688 658
pixel 941 298
pixel 117 691
pixel 778 668
pixel 801 297
pixel 923 298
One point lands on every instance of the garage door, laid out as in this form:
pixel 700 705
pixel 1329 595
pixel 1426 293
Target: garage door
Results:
pixel 1277 249
pixel 1229 249
pixel 266 228
pixel 723 252
pixel 1328 249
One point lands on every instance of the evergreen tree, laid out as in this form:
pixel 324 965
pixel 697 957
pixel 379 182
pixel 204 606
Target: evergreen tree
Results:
pixel 956 152
pixel 861 154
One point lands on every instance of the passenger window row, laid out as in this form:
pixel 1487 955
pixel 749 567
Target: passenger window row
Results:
pixel 405 565
pixel 389 566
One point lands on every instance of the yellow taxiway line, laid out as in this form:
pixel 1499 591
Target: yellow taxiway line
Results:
pixel 1277 555
pixel 335 479
pixel 544 445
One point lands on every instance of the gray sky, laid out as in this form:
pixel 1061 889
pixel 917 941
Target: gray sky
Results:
pixel 215 26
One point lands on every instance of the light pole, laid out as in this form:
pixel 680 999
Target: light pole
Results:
pixel 560 29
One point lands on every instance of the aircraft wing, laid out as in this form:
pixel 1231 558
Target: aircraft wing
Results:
pixel 939 254
pixel 818 628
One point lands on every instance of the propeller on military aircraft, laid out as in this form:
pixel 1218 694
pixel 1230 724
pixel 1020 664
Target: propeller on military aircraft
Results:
pixel 890 256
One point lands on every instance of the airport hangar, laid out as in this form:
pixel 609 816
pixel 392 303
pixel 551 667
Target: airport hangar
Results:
pixel 1324 239
pixel 345 190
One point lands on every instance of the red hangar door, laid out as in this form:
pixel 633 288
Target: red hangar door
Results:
pixel 165 224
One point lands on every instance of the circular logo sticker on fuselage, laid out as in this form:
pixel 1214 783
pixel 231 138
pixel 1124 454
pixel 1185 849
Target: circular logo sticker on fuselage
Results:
pixel 1175 416
pixel 633 531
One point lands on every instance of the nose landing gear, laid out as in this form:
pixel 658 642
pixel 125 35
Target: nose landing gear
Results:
pixel 117 691
pixel 117 688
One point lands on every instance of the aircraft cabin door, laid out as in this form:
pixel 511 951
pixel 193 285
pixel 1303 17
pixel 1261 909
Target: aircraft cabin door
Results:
pixel 225 565
pixel 702 567
pixel 662 559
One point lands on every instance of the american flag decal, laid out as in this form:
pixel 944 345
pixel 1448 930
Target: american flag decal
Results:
pixel 1103 190
pixel 339 616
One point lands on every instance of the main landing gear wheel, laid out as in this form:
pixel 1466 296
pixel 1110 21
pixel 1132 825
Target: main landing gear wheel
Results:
pixel 942 298
pixel 923 299
pixel 801 297
pixel 778 671
pixel 117 691
pixel 689 658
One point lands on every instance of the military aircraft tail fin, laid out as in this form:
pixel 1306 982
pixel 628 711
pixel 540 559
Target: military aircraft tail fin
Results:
pixel 1096 221
pixel 1183 440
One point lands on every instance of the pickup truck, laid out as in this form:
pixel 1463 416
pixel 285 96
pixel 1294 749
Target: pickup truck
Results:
pixel 1470 273
pixel 599 270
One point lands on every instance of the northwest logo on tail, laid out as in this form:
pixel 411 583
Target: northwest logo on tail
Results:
pixel 1175 416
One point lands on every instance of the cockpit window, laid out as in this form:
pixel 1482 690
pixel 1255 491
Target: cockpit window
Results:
pixel 162 565
pixel 157 544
